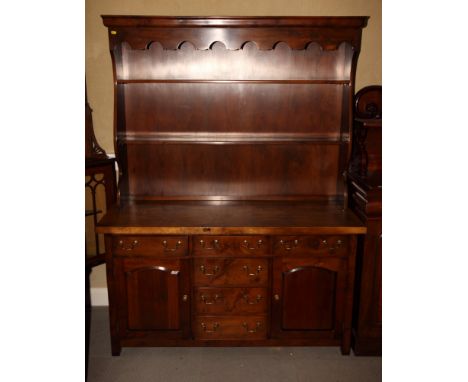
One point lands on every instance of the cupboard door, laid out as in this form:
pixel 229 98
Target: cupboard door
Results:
pixel 154 295
pixel 308 297
pixel 308 294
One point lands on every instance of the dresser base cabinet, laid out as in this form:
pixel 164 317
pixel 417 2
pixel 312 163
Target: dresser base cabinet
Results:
pixel 230 290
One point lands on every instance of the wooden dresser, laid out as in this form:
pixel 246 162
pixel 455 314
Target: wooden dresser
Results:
pixel 233 139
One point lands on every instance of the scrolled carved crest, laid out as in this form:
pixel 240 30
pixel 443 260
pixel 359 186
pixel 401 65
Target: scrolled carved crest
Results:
pixel 368 102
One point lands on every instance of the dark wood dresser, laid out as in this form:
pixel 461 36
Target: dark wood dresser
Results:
pixel 365 190
pixel 233 139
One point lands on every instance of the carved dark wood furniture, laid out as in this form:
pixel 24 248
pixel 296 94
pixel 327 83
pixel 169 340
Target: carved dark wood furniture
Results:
pixel 233 137
pixel 365 190
pixel 99 173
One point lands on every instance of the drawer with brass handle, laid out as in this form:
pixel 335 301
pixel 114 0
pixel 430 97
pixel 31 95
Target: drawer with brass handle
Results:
pixel 230 300
pixel 230 245
pixel 230 271
pixel 230 328
pixel 149 245
pixel 314 245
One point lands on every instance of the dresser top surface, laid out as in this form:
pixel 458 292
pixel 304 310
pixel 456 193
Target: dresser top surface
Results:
pixel 221 217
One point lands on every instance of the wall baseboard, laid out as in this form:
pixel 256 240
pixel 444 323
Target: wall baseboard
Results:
pixel 99 297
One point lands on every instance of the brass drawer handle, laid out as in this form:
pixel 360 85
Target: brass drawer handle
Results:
pixel 246 268
pixel 203 270
pixel 184 298
pixel 215 328
pixel 166 249
pixel 214 245
pixel 213 300
pixel 332 247
pixel 289 244
pixel 255 330
pixel 246 244
pixel 277 297
pixel 128 247
pixel 257 299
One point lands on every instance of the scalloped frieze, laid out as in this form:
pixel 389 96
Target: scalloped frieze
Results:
pixel 246 45
pixel 138 43
pixel 246 63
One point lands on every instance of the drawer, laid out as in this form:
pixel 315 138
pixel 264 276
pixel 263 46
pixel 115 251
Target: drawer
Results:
pixel 314 245
pixel 230 328
pixel 230 245
pixel 149 245
pixel 230 300
pixel 230 271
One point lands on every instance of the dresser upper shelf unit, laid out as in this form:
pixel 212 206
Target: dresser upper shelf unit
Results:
pixel 233 107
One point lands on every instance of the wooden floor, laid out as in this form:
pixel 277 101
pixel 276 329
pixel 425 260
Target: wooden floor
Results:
pixel 255 364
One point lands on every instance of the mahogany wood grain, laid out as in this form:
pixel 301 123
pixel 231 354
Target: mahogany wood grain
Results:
pixel 312 295
pixel 234 107
pixel 189 173
pixel 153 295
pixel 241 218
pixel 314 312
pixel 149 290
